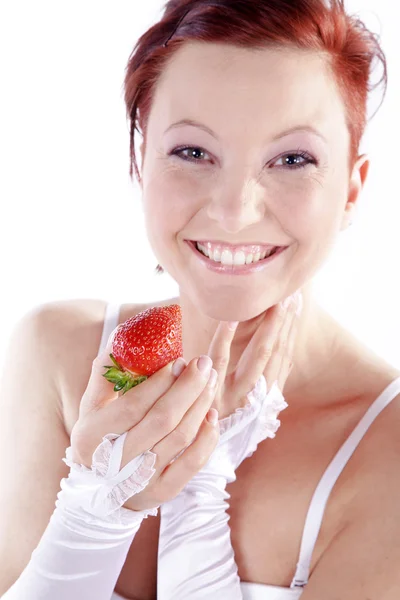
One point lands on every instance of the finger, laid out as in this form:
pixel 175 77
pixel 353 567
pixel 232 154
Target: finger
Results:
pixel 166 413
pixel 272 369
pixel 176 475
pixel 287 359
pixel 259 350
pixel 185 432
pixel 220 348
pixel 127 410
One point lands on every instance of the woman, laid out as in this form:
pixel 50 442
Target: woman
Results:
pixel 252 114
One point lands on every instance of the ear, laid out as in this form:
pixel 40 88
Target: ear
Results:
pixel 356 184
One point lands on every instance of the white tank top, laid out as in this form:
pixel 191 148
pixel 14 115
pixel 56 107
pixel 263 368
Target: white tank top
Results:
pixel 256 591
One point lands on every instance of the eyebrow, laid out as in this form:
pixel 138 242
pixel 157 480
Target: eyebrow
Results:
pixel 194 123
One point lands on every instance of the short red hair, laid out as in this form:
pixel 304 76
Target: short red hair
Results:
pixel 319 25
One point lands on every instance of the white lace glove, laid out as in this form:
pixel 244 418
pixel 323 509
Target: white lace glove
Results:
pixel 195 557
pixel 85 544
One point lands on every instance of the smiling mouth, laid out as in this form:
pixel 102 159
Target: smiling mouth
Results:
pixel 239 258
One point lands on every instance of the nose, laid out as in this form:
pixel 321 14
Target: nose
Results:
pixel 237 205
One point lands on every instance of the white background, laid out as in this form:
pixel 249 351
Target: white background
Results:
pixel 70 221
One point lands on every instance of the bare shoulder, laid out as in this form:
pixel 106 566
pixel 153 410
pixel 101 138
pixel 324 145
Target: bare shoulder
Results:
pixel 76 328
pixel 379 456
pixel 352 382
pixel 70 329
pixel 373 468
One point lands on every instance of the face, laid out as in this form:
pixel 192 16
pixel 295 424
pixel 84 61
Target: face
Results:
pixel 271 168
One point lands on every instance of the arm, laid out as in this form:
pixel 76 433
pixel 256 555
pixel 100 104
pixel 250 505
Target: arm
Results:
pixel 39 561
pixel 194 526
pixel 85 544
pixel 30 419
pixel 101 505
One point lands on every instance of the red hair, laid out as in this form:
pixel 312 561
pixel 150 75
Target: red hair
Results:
pixel 308 24
pixel 318 25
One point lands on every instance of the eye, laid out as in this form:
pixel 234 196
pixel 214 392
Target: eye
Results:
pixel 295 160
pixel 194 151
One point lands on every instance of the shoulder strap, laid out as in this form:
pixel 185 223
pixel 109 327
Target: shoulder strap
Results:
pixel 110 323
pixel 329 478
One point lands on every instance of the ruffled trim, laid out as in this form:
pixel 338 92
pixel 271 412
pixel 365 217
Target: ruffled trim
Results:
pixel 267 423
pixel 110 487
pixel 240 434
pixel 261 406
pixel 235 418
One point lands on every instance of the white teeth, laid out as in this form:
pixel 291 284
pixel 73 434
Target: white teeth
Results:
pixel 216 255
pixel 239 258
pixel 227 258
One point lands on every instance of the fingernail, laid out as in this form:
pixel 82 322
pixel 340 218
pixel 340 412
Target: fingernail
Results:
pixel 232 325
pixel 204 363
pixel 212 380
pixel 178 366
pixel 212 416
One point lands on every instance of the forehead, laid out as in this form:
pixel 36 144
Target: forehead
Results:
pixel 230 85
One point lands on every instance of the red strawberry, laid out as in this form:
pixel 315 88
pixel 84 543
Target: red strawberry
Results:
pixel 144 344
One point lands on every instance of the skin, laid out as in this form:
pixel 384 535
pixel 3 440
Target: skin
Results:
pixel 239 194
pixel 241 190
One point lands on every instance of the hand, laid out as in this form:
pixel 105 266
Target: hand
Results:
pixel 197 517
pixel 164 413
pixel 268 353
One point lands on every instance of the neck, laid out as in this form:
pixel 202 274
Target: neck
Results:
pixel 314 345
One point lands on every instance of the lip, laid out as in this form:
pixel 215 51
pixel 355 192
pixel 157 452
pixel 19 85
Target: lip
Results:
pixel 234 269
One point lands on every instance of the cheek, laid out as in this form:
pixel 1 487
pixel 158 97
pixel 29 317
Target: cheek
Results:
pixel 176 198
pixel 315 228
pixel 309 211
pixel 166 210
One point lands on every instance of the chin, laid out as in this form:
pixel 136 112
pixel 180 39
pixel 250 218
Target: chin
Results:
pixel 232 308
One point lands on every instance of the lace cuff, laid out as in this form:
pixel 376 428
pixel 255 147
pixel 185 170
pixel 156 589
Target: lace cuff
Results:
pixel 103 489
pixel 262 407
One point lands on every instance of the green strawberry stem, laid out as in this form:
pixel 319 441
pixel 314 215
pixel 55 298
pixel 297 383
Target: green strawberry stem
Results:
pixel 124 380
